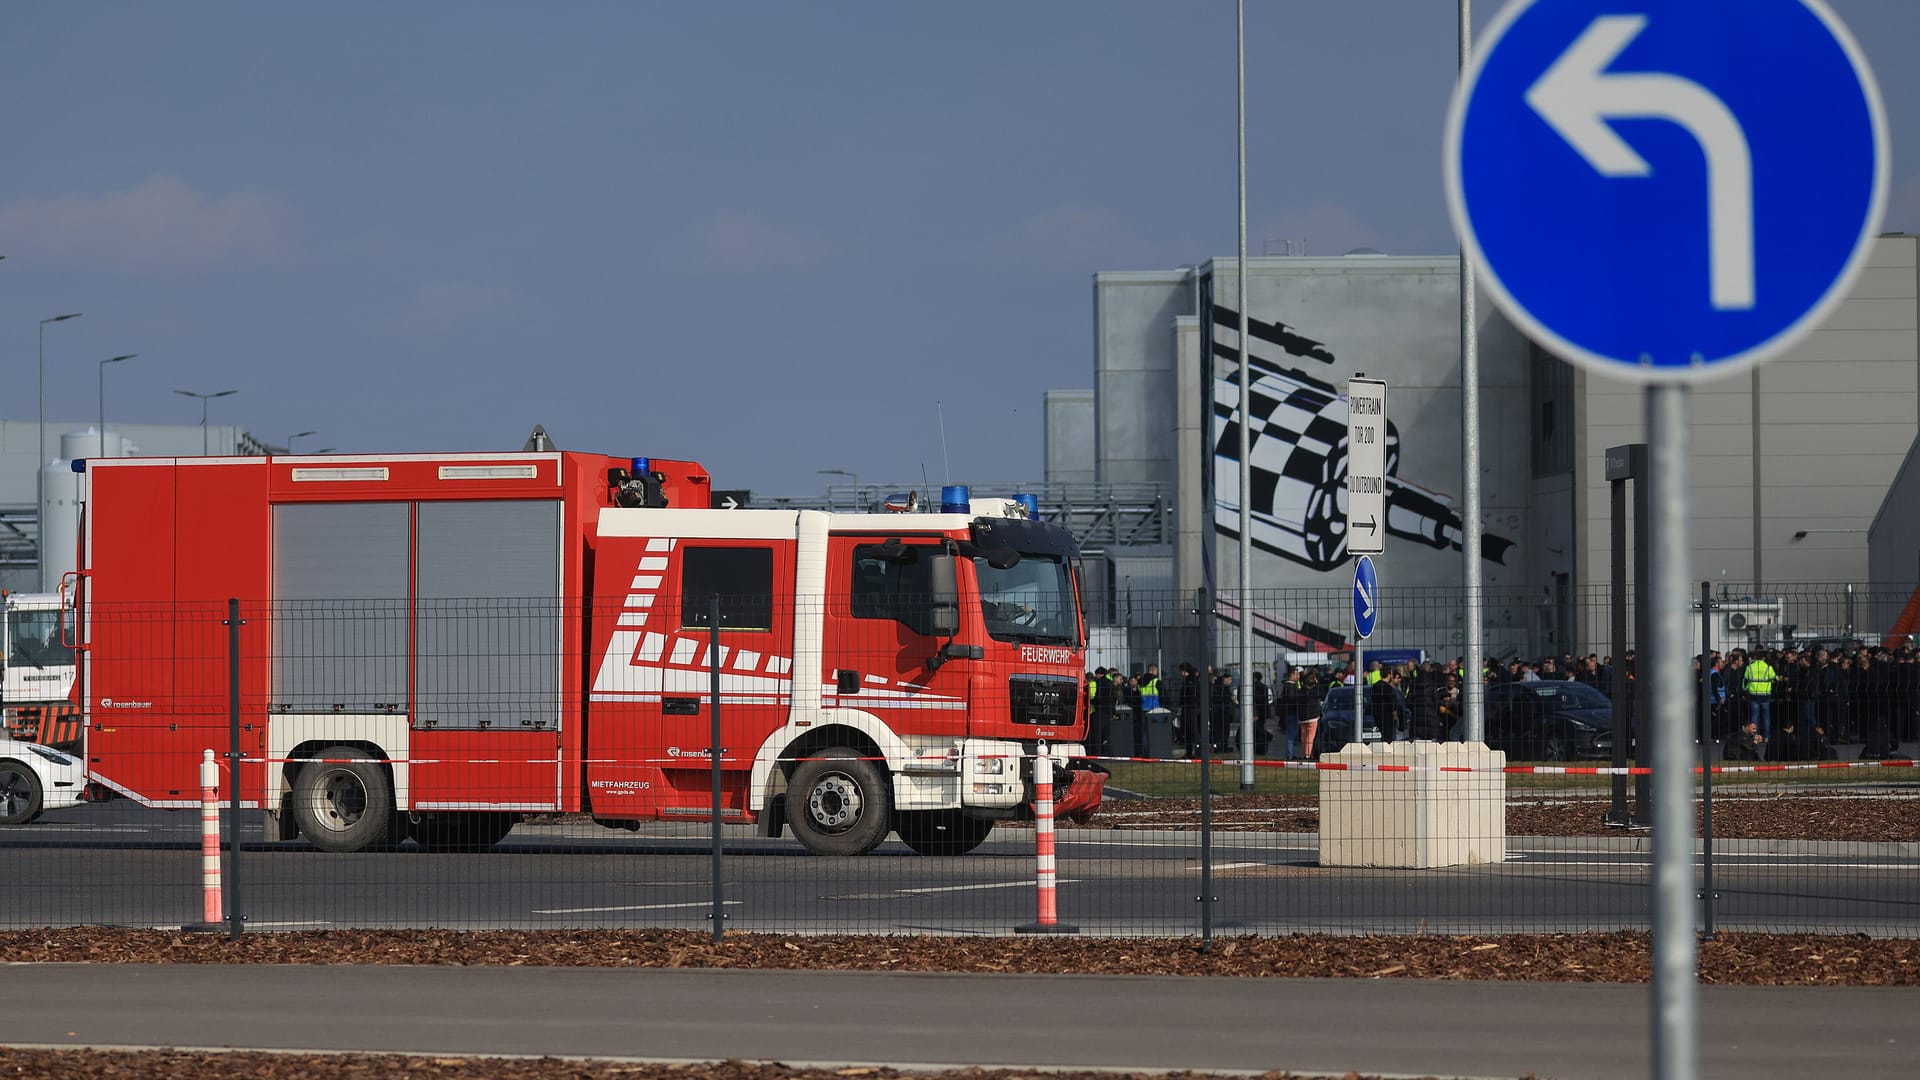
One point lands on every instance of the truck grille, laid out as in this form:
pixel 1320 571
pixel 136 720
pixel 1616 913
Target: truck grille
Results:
pixel 1042 700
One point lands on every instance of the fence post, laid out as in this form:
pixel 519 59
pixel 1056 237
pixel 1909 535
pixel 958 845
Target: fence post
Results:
pixel 713 760
pixel 1048 919
pixel 1205 739
pixel 1706 755
pixel 234 756
pixel 209 847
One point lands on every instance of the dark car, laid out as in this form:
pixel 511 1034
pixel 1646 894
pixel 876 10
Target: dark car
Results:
pixel 1548 721
pixel 1336 719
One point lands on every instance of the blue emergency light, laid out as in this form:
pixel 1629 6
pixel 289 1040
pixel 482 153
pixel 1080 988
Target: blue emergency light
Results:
pixel 955 499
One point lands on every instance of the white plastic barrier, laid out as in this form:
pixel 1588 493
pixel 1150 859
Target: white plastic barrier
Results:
pixel 1413 805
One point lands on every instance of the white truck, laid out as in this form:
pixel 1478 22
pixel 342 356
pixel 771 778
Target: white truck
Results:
pixel 36 673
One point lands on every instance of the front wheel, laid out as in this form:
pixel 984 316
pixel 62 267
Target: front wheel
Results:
pixel 20 793
pixel 343 805
pixel 839 804
pixel 942 832
pixel 1558 748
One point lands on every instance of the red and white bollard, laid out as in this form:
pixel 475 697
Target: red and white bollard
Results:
pixel 209 846
pixel 1048 921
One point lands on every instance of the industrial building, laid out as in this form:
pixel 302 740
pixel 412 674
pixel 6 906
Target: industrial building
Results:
pixel 1791 461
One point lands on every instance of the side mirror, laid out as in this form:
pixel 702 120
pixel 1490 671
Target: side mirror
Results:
pixel 944 582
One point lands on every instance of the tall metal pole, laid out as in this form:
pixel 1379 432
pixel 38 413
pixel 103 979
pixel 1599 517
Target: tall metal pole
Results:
pixel 40 459
pixel 1473 688
pixel 1246 422
pixel 1675 996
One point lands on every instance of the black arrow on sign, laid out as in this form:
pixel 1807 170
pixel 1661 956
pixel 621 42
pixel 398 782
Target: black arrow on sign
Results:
pixel 1370 525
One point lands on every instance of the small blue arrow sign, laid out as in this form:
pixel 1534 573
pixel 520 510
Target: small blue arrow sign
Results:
pixel 1666 189
pixel 1366 597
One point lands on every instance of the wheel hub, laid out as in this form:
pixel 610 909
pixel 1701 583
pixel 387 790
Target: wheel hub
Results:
pixel 343 801
pixel 834 803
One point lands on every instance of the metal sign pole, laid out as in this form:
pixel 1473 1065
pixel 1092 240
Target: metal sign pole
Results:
pixel 1675 996
pixel 1245 425
pixel 1359 690
pixel 1473 689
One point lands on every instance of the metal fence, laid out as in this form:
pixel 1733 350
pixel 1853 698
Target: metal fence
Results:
pixel 542 763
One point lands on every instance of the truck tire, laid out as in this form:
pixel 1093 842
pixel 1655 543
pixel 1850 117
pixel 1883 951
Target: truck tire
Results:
pixel 20 793
pixel 942 832
pixel 341 806
pixel 474 831
pixel 839 803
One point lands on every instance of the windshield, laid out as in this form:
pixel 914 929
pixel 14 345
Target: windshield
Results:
pixel 33 637
pixel 1570 695
pixel 1032 601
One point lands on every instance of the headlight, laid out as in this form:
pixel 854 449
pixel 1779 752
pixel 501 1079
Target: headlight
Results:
pixel 54 756
pixel 992 766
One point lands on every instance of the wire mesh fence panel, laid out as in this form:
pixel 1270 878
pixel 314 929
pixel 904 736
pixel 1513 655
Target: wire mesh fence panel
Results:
pixel 415 757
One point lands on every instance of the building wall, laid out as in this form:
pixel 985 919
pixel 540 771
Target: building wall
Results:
pixel 1827 427
pixel 1893 546
pixel 1133 371
pixel 1070 437
pixel 1320 321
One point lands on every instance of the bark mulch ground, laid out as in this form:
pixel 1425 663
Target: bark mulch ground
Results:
pixel 185 1065
pixel 1729 958
pixel 1835 816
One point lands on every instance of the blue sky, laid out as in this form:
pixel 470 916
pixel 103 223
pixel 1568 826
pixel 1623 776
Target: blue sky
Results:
pixel 767 236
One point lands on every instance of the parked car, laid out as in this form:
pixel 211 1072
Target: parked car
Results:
pixel 1336 719
pixel 34 779
pixel 1548 721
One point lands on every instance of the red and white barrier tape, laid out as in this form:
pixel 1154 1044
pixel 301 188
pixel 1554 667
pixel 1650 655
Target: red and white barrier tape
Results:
pixel 1525 770
pixel 702 761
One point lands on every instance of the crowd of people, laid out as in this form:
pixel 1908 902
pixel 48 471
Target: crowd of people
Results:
pixel 1786 704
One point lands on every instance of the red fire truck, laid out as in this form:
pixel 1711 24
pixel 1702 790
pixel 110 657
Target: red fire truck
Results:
pixel 434 645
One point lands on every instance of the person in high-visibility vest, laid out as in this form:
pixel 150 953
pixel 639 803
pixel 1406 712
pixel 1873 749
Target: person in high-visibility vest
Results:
pixel 1759 678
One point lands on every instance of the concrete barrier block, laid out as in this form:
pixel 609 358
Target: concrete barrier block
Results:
pixel 1419 818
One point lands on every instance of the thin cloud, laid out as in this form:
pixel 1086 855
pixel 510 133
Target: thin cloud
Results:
pixel 735 240
pixel 1079 232
pixel 159 224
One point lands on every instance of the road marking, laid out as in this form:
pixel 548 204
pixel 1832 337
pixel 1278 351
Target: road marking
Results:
pixel 632 907
pixel 293 922
pixel 1231 865
pixel 991 885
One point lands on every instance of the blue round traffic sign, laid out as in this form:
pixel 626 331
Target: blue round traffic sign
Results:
pixel 1667 189
pixel 1366 597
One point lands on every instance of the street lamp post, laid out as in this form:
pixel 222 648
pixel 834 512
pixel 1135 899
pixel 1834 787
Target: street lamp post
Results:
pixel 853 476
pixel 296 435
pixel 40 456
pixel 103 396
pixel 204 398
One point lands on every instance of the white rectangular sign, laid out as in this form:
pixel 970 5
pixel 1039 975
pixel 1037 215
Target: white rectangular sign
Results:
pixel 1366 466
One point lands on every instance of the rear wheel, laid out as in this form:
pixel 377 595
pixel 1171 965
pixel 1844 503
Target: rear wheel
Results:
pixel 839 804
pixel 1558 748
pixel 20 793
pixel 343 805
pixel 463 831
pixel 941 832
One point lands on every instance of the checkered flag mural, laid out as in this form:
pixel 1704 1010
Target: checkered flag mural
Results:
pixel 1298 456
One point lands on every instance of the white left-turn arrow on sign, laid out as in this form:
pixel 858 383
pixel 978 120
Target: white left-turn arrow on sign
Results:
pixel 1577 97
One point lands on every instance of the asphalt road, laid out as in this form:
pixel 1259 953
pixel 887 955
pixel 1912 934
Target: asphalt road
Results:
pixel 1305 1025
pixel 120 864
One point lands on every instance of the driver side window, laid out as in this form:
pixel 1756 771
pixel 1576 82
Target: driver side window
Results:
pixel 896 588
